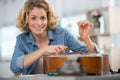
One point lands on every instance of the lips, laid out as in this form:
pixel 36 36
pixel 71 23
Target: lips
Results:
pixel 38 28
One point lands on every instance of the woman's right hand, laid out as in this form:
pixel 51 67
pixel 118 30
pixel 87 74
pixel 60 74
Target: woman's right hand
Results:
pixel 47 50
pixel 53 49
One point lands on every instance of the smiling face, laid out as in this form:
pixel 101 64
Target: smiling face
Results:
pixel 37 21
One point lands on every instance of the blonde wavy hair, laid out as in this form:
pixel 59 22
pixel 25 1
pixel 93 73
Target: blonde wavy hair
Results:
pixel 21 21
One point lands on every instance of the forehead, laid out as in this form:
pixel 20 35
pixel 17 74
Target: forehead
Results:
pixel 37 11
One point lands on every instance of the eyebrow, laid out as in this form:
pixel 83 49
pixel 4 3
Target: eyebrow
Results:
pixel 42 15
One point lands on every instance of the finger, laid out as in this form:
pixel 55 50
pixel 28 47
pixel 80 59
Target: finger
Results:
pixel 79 23
pixel 57 49
pixel 85 23
pixel 65 48
pixel 54 52
pixel 62 48
pixel 91 25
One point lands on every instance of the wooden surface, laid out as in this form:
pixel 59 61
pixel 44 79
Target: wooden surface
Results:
pixel 45 77
pixel 92 63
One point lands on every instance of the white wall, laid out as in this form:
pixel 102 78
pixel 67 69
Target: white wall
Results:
pixel 68 7
pixel 114 17
pixel 115 59
pixel 10 8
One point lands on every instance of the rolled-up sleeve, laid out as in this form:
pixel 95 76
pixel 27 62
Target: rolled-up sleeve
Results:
pixel 77 46
pixel 18 57
pixel 74 44
pixel 19 62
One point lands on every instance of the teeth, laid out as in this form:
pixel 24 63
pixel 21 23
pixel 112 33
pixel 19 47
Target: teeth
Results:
pixel 38 27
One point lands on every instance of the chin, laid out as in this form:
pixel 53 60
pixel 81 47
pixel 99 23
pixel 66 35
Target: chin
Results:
pixel 39 32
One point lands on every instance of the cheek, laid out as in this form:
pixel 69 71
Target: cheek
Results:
pixel 45 23
pixel 30 22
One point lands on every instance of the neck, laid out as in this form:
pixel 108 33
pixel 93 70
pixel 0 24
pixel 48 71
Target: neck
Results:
pixel 40 38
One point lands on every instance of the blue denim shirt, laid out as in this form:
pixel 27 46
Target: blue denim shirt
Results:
pixel 25 44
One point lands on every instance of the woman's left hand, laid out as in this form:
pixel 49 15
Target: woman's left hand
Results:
pixel 84 29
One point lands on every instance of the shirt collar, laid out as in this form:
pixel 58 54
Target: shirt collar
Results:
pixel 51 35
pixel 31 39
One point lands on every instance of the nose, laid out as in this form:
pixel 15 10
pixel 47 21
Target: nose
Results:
pixel 39 22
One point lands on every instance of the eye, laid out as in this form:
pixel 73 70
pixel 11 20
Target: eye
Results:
pixel 33 18
pixel 43 18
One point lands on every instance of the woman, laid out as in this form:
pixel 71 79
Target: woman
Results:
pixel 41 37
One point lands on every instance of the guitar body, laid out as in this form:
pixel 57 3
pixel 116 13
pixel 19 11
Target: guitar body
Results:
pixel 91 63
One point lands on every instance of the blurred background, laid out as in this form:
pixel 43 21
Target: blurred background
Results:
pixel 104 14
